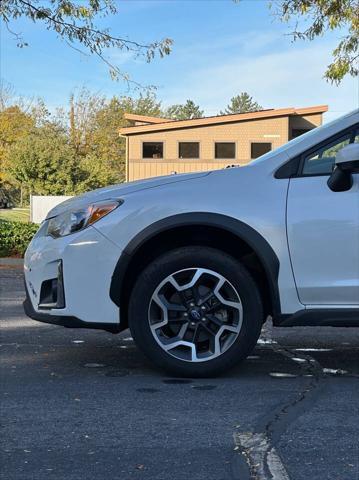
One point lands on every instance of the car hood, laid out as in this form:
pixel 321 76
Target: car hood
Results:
pixel 117 191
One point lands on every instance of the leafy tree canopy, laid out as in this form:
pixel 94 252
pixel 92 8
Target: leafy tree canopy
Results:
pixel 75 22
pixel 240 104
pixel 313 18
pixel 106 142
pixel 44 162
pixel 92 123
pixel 14 125
pixel 184 111
pixel 143 105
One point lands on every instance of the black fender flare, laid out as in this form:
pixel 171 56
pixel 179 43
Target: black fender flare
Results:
pixel 243 231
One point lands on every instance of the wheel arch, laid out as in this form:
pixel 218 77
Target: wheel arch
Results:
pixel 211 229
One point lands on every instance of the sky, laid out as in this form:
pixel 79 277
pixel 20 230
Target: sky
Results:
pixel 220 49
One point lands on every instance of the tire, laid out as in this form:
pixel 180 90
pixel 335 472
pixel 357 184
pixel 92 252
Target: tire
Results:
pixel 233 313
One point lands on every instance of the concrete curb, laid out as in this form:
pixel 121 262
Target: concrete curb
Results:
pixel 11 261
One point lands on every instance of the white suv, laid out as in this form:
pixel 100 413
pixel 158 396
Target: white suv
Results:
pixel 194 264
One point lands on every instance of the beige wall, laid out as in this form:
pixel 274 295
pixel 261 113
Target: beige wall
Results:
pixel 273 130
pixel 148 169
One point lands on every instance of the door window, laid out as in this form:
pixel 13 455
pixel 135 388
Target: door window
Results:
pixel 322 161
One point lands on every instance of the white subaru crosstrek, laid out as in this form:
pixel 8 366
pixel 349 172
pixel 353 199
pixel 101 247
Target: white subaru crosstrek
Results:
pixel 194 264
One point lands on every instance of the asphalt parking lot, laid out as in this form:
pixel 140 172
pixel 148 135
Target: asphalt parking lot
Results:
pixel 81 404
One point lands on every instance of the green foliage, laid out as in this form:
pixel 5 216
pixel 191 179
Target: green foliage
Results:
pixel 44 162
pixel 75 23
pixel 318 17
pixel 77 150
pixel 147 104
pixel 93 128
pixel 18 118
pixel 94 173
pixel 80 121
pixel 184 111
pixel 14 125
pixel 106 142
pixel 15 237
pixel 240 104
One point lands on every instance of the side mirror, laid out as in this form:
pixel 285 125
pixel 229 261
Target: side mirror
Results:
pixel 346 163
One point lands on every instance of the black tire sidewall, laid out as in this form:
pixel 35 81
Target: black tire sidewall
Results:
pixel 195 257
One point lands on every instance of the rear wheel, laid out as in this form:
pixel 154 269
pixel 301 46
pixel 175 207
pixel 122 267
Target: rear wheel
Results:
pixel 195 311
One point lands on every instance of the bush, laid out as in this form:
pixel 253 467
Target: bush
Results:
pixel 15 237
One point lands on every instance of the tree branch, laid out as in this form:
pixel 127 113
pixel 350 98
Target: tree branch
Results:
pixel 81 29
pixel 105 36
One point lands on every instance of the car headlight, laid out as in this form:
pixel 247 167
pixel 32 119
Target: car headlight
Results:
pixel 77 219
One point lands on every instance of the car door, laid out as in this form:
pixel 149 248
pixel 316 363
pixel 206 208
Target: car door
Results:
pixel 323 228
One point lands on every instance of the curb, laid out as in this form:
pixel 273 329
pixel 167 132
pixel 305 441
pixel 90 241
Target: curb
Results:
pixel 11 261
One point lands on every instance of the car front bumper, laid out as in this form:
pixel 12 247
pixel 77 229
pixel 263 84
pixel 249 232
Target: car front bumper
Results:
pixel 68 280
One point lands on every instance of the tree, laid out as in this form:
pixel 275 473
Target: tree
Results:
pixel 81 119
pixel 184 111
pixel 43 162
pixel 18 118
pixel 94 172
pixel 92 123
pixel 7 95
pixel 76 150
pixel 147 104
pixel 320 16
pixel 75 23
pixel 240 104
pixel 106 142
pixel 15 124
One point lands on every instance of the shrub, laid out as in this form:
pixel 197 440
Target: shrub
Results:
pixel 15 237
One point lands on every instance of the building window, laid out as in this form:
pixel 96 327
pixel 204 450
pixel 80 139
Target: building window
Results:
pixel 152 150
pixel 225 150
pixel 259 149
pixel 188 150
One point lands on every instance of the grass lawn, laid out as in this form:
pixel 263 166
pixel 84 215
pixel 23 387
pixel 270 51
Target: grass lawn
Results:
pixel 15 214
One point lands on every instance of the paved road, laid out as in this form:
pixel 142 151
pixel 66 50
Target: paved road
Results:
pixel 81 404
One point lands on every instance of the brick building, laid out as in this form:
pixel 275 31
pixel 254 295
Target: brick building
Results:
pixel 159 146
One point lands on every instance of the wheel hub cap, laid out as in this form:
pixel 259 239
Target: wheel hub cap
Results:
pixel 195 314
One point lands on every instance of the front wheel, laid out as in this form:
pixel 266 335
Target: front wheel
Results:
pixel 195 312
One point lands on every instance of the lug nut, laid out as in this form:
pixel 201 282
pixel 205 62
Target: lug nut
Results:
pixel 185 314
pixel 203 319
pixel 203 307
pixel 191 304
pixel 193 324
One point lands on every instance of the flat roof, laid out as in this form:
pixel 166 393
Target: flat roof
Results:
pixel 145 118
pixel 156 124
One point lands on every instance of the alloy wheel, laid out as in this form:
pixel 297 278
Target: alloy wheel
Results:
pixel 195 314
